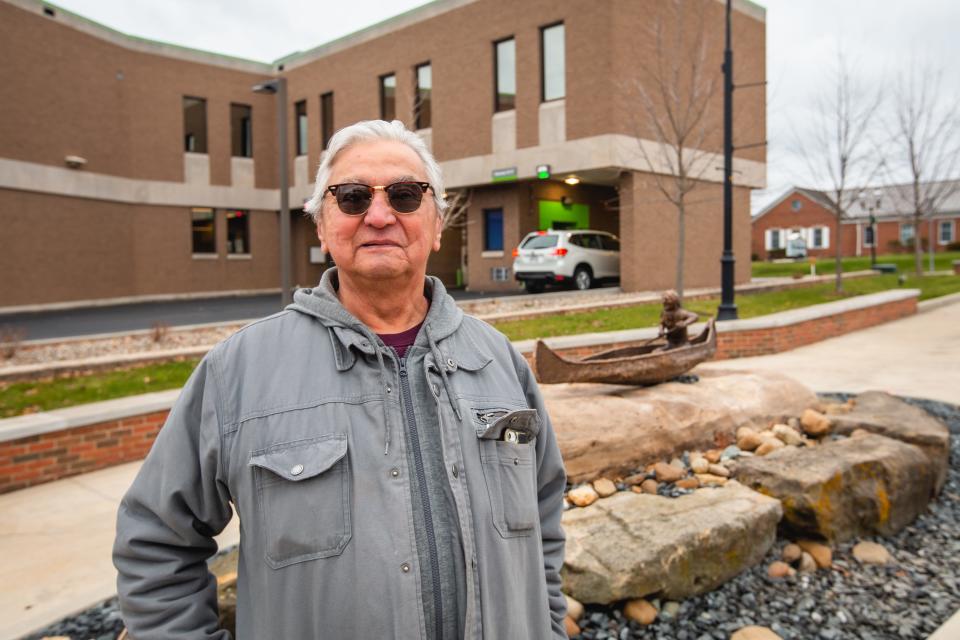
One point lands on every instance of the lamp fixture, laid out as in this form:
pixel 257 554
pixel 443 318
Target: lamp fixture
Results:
pixel 75 162
pixel 572 180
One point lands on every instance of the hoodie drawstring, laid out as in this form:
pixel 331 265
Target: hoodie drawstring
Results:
pixel 437 356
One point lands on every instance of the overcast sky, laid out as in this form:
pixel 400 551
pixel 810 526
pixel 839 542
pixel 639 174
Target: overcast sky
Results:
pixel 878 37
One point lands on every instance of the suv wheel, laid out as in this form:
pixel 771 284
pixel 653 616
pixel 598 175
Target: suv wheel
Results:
pixel 582 278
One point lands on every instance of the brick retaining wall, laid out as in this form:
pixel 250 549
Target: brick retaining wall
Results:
pixel 60 454
pixel 36 459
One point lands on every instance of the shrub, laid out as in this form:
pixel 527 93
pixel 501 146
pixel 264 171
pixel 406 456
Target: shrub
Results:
pixel 776 254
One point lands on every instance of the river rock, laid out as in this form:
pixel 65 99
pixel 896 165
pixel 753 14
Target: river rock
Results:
pixel 820 552
pixel 815 423
pixel 748 439
pixel 641 611
pixel 719 470
pixel 700 465
pixel 649 486
pixel 787 435
pixel 574 608
pixel 871 553
pixel 582 496
pixel 594 422
pixel 668 473
pixel 755 633
pixel 604 487
pixel 845 488
pixel 688 483
pixel 632 545
pixel 780 570
pixel 807 563
pixel 573 629
pixel 791 553
pixel 769 445
pixel 887 415
pixel 710 480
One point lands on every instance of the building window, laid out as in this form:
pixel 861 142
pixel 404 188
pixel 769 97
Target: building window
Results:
pixel 553 62
pixel 421 107
pixel 194 125
pixel 493 229
pixel 906 233
pixel 301 119
pixel 796 205
pixel 326 119
pixel 388 97
pixel 868 240
pixel 819 238
pixel 238 231
pixel 204 231
pixel 505 75
pixel 945 231
pixel 241 131
pixel 774 239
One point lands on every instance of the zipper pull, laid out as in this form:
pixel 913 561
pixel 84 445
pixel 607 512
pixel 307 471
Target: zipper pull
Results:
pixel 403 367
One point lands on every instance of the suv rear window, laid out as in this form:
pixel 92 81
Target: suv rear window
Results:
pixel 539 242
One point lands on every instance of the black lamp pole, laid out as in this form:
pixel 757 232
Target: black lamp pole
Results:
pixel 728 309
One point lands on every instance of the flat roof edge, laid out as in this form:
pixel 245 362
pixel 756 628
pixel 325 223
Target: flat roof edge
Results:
pixel 140 44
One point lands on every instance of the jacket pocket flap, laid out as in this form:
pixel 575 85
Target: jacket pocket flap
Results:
pixel 525 420
pixel 296 461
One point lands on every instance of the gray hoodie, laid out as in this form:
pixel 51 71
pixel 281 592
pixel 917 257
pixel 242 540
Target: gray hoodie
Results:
pixel 378 498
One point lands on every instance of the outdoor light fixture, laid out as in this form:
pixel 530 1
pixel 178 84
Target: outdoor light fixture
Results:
pixel 572 180
pixel 543 171
pixel 75 162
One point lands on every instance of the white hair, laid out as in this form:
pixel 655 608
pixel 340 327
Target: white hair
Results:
pixel 368 131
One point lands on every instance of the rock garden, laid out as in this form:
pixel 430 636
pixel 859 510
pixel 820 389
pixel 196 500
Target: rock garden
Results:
pixel 740 507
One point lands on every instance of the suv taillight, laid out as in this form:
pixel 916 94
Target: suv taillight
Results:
pixel 560 252
pixel 516 252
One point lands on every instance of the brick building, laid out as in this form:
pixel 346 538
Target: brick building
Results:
pixel 134 169
pixel 805 217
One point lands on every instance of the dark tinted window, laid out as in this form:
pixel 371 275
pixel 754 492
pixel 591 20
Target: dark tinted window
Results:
pixel 493 229
pixel 194 125
pixel 421 108
pixel 241 138
pixel 204 235
pixel 388 97
pixel 238 231
pixel 326 119
pixel 610 243
pixel 539 242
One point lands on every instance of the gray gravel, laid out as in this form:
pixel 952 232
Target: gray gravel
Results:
pixel 909 599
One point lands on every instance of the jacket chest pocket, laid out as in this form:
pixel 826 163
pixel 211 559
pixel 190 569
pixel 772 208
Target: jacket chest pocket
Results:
pixel 507 441
pixel 303 493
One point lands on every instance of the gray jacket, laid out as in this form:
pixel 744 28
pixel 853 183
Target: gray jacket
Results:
pixel 296 421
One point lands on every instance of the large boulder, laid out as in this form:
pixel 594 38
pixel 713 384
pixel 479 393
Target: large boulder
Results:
pixel 845 488
pixel 632 545
pixel 887 415
pixel 612 429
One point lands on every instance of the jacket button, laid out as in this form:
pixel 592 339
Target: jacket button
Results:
pixel 389 389
pixel 296 470
pixel 451 363
pixel 405 567
pixel 395 472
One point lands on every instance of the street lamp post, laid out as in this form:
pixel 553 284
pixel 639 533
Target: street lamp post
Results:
pixel 728 309
pixel 871 205
pixel 278 86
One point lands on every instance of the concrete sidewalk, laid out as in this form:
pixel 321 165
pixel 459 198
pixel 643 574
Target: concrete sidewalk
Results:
pixel 55 539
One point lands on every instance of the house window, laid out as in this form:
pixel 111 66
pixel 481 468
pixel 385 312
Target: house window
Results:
pixel 868 240
pixel 421 107
pixel 326 119
pixel 388 97
pixel 774 239
pixel 241 138
pixel 796 205
pixel 505 75
pixel 238 231
pixel 194 125
pixel 819 238
pixel 945 231
pixel 553 63
pixel 906 233
pixel 493 229
pixel 204 231
pixel 301 119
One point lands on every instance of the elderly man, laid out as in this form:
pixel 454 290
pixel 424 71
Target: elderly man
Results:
pixel 391 461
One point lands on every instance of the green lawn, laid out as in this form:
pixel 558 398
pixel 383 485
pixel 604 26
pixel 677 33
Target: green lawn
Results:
pixel 44 395
pixel 904 262
pixel 28 397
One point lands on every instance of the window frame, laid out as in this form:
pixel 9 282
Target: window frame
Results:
pixel 193 232
pixel 913 233
pixel 486 229
pixel 326 117
pixel 383 97
pixel 417 103
pixel 246 134
pixel 543 67
pixel 245 215
pixel 206 133
pixel 872 229
pixel 302 142
pixel 946 224
pixel 496 74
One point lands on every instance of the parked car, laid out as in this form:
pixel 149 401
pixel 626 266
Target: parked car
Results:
pixel 574 257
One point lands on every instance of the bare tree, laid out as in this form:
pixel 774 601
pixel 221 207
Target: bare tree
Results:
pixel 458 202
pixel 926 133
pixel 675 91
pixel 839 150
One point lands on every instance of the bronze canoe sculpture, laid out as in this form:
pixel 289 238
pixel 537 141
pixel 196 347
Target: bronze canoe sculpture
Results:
pixel 638 365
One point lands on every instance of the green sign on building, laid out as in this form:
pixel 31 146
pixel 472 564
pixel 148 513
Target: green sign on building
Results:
pixel 504 175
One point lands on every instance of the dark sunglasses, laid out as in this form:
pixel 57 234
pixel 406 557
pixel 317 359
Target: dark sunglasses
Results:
pixel 354 199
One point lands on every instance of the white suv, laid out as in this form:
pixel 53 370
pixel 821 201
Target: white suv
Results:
pixel 579 257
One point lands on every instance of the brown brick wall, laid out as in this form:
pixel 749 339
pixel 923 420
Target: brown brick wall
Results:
pixel 60 454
